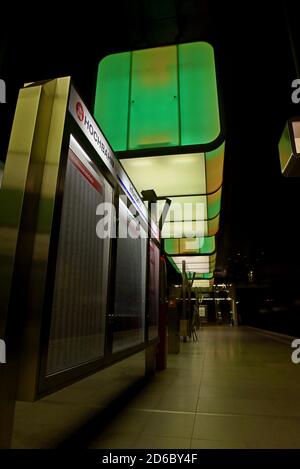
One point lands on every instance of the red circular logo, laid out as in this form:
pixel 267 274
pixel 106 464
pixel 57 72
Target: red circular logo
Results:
pixel 79 111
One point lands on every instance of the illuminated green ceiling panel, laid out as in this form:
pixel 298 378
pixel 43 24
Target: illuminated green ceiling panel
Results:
pixel 202 259
pixel 168 175
pixel 186 208
pixel 190 246
pixel 214 204
pixel 178 177
pixel 185 229
pixel 199 107
pixel 204 276
pixel 197 264
pixel 213 226
pixel 214 162
pixel 111 101
pixel 154 117
pixel 160 97
pixel 191 229
pixel 203 283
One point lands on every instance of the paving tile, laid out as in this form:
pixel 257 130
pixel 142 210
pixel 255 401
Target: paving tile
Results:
pixel 169 424
pixel 217 444
pixel 179 402
pixel 150 442
pixel 117 441
pixel 258 432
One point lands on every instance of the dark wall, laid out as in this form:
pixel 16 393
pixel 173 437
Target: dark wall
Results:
pixel 273 309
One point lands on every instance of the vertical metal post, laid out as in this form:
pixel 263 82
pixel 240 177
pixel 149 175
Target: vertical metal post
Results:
pixel 234 309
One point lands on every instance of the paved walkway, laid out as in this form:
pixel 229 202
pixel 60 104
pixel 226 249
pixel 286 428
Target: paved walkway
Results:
pixel 231 389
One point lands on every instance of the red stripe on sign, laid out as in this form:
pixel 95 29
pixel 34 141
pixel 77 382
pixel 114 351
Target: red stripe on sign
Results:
pixel 85 172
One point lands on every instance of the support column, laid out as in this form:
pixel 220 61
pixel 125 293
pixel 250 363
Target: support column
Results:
pixel 232 292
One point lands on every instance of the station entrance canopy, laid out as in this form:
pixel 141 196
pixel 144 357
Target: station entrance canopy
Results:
pixel 160 109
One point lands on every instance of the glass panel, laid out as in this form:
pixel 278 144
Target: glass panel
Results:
pixel 190 245
pixel 153 290
pixel 129 314
pixel 186 208
pixel 189 208
pixel 204 276
pixel 112 98
pixel 199 264
pixel 195 259
pixel 206 245
pixel 168 175
pixel 199 269
pixel 213 226
pixel 214 204
pixel 214 168
pixel 154 100
pixel 185 229
pixel 172 246
pixel 80 290
pixel 202 283
pixel 203 268
pixel 200 122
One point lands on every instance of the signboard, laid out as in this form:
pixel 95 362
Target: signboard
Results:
pixel 89 127
pixel 79 111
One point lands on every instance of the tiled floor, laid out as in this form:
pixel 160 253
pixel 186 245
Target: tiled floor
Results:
pixel 231 389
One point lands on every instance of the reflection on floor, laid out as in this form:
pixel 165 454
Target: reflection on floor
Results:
pixel 231 389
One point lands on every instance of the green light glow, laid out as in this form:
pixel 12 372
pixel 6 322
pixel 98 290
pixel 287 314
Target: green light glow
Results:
pixel 198 264
pixel 154 119
pixel 214 168
pixel 111 100
pixel 158 97
pixel 164 97
pixel 204 276
pixel 201 270
pixel 198 94
pixel 186 208
pixel 203 283
pixel 185 229
pixel 213 226
pixel 164 174
pixel 192 207
pixel 188 229
pixel 214 204
pixel 190 246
